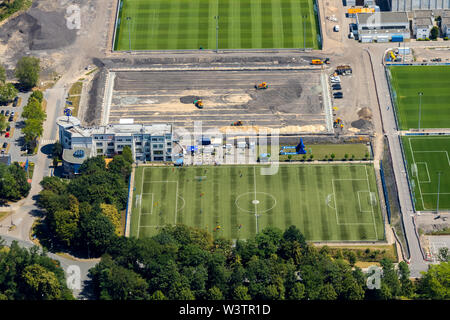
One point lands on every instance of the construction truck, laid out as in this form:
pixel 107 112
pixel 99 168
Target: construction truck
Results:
pixel 237 123
pixel 198 103
pixel 343 70
pixel 319 61
pixel 262 85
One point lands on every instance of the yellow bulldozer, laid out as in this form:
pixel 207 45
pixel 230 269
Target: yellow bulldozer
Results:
pixel 262 85
pixel 198 103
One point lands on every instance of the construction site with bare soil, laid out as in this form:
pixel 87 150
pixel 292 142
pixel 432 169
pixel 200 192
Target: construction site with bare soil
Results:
pixel 289 100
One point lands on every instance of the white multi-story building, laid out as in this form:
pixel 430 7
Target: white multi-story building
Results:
pixel 147 142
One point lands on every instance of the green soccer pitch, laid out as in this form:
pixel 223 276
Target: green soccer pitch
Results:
pixel 425 157
pixel 326 202
pixel 434 83
pixel 243 24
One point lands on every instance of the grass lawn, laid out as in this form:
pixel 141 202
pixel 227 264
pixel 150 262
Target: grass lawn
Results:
pixel 326 202
pixel 243 24
pixel 434 83
pixel 359 150
pixel 426 156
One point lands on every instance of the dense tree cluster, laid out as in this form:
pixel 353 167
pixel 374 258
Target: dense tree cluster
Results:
pixel 30 275
pixel 34 116
pixel 187 263
pixel 13 182
pixel 27 72
pixel 83 214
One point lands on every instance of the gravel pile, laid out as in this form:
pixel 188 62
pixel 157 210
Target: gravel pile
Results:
pixel 362 124
pixel 189 99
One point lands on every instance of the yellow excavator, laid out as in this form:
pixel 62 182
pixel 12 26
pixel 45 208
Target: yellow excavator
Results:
pixel 198 103
pixel 262 85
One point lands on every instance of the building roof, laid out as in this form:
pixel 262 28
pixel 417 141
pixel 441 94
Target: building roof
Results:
pixel 423 22
pixel 423 13
pixel 73 125
pixel 77 155
pixel 379 18
pixel 445 21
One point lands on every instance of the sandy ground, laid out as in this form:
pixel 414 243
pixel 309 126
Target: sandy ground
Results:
pixel 293 100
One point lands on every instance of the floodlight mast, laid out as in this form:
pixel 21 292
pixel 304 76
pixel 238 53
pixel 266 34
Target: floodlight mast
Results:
pixel 439 186
pixel 217 33
pixel 129 32
pixel 420 106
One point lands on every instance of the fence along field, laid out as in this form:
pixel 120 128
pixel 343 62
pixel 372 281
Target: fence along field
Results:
pixel 426 156
pixel 243 24
pixel 327 202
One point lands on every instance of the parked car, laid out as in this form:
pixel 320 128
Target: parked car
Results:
pixel 8 128
pixel 337 87
pixel 2 112
pixel 11 118
pixel 338 95
pixel 16 100
pixel 335 81
pixel 7 113
pixel 12 113
pixel 5 145
pixel 7 135
pixel 336 28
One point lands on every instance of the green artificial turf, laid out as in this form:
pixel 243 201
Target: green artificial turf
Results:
pixel 243 24
pixel 434 83
pixel 431 155
pixel 326 202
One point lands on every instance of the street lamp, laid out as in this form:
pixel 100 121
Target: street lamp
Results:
pixel 420 105
pixel 129 31
pixel 217 33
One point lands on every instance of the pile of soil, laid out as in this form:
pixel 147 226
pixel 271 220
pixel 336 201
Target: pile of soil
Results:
pixel 189 99
pixel 362 124
pixel 365 113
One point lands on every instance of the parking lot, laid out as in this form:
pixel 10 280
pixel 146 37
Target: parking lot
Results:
pixel 293 101
pixel 10 140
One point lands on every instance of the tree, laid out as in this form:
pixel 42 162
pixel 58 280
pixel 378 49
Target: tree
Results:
pixel 407 288
pixel 390 280
pixel 32 130
pixel 241 293
pixel 297 292
pixel 327 292
pixel 3 123
pixel 33 110
pixel 7 93
pixel 332 156
pixel 434 33
pixel 95 233
pixel 158 295
pixel 214 293
pixel 127 154
pixel 434 283
pixel 2 75
pixel 13 182
pixel 120 166
pixel 113 282
pixel 38 95
pixel 66 225
pixel 40 283
pixel 27 71
pixel 110 211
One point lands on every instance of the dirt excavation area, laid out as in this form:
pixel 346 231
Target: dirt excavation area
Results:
pixel 292 102
pixel 59 32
